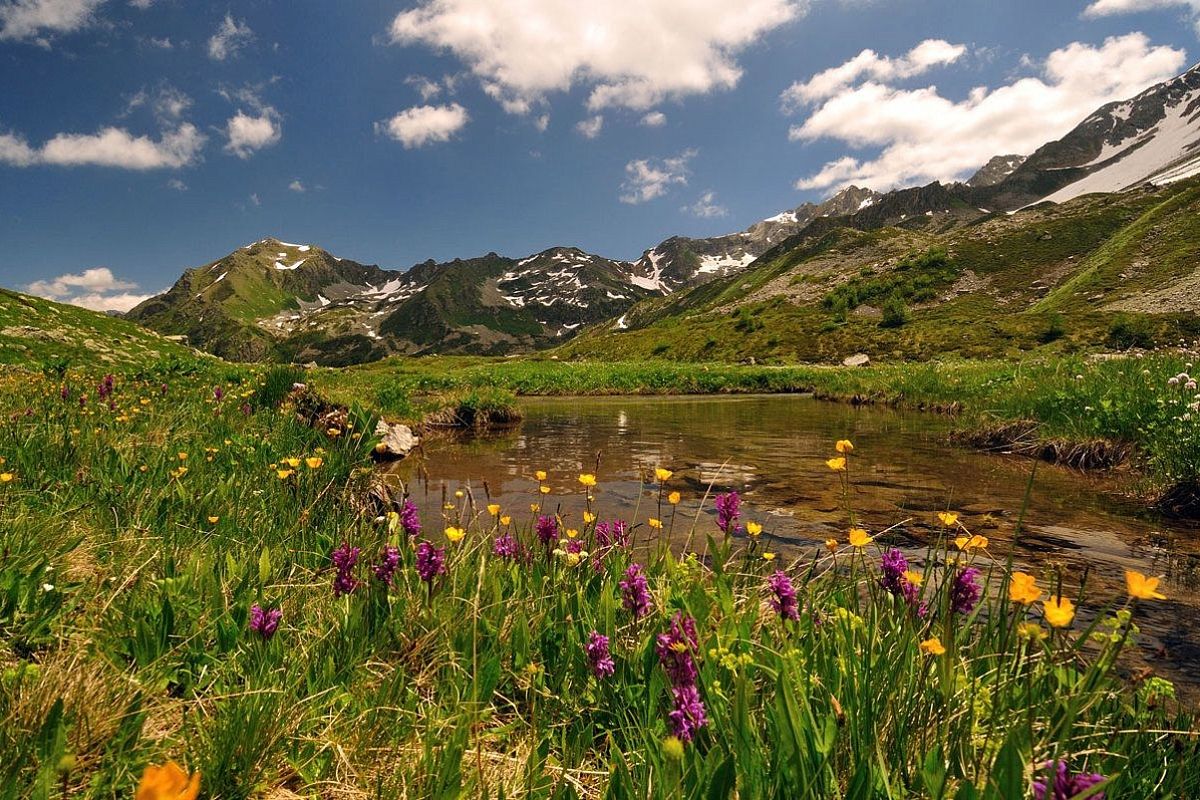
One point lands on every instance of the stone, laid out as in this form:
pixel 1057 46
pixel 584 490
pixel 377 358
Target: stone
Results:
pixel 857 360
pixel 395 441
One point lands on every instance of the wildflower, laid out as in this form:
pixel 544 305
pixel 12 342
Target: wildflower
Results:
pixel 213 520
pixel 546 529
pixel 913 578
pixel 1059 611
pixel 964 592
pixel 431 561
pixel 635 594
pixel 688 716
pixel 182 456
pixel 179 472
pixel 783 598
pixel 7 477
pixel 973 542
pixel 246 409
pixel 344 558
pixel 753 529
pixel 727 511
pixel 314 462
pixel 410 520
pixel 933 647
pixel 587 479
pixel 218 393
pixel 506 520
pixel 389 560
pixel 540 475
pixel 837 464
pixel 505 546
pixel 1063 785
pixel 948 518
pixel 610 534
pixel 654 523
pixel 455 534
pixel 768 556
pixel 168 782
pixel 599 659
pixel 1142 588
pixel 844 446
pixel 282 474
pixel 831 545
pixel 1023 588
pixel 459 494
pixel 674 497
pixel 662 474
pixel 588 518
pixel 676 649
pixel 534 508
pixel 859 538
pixel 893 565
pixel 264 621
pixel 544 489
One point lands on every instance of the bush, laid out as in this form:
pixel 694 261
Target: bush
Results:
pixel 895 313
pixel 1128 332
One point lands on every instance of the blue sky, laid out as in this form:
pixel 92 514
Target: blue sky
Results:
pixel 140 137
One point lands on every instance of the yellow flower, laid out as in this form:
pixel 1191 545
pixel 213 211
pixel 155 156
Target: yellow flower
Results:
pixel 1023 588
pixel 1031 631
pixel 844 446
pixel 831 545
pixel 505 520
pixel 182 456
pixel 933 647
pixel 284 474
pixel 1142 588
pixel 494 509
pixel 974 542
pixel 948 518
pixel 915 578
pixel 768 556
pixel 6 477
pixel 168 782
pixel 313 462
pixel 179 472
pixel 588 517
pixel 459 494
pixel 455 534
pixel 674 497
pixel 753 529
pixel 572 533
pixel 587 479
pixel 534 508
pixel 544 489
pixel 663 475
pixel 655 523
pixel 1059 611
pixel 540 475
pixel 837 464
pixel 334 432
pixel 859 537
pixel 292 462
pixel 143 468
pixel 213 520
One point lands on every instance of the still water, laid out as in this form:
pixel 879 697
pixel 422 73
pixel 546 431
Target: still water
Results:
pixel 773 450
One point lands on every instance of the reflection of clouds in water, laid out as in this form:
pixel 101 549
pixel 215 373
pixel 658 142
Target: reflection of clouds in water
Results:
pixel 622 421
pixel 720 473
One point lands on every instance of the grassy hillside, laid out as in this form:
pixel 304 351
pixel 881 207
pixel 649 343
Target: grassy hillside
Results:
pixel 35 331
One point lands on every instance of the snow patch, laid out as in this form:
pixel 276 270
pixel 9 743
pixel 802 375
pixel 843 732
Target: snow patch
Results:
pixel 783 216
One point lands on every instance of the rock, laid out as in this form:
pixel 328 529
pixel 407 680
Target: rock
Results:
pixel 395 441
pixel 857 360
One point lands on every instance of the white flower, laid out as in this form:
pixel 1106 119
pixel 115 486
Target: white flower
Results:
pixel 47 587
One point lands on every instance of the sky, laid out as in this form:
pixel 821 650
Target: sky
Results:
pixel 142 137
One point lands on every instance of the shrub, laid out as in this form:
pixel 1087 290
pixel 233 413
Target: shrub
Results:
pixel 895 313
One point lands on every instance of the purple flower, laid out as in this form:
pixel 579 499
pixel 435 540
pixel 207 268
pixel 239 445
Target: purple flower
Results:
pixel 65 392
pixel 218 393
pixel 912 595
pixel 344 558
pixel 389 560
pixel 893 565
pixel 635 594
pixel 727 511
pixel 163 390
pixel 82 400
pixel 599 659
pixel 105 387
pixel 246 410
pixel 505 546
pixel 964 592
pixel 547 529
pixel 783 596
pixel 431 561
pixel 410 520
pixel 574 545
pixel 264 622
pixel 688 715
pixel 1064 785
pixel 612 534
pixel 676 649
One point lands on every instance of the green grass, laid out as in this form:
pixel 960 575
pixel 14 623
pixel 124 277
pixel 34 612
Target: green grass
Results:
pixel 127 587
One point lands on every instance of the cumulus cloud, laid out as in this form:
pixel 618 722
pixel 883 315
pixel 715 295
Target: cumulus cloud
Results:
pixel 231 36
pixel 166 102
pixel 297 186
pixel 36 19
pixel 632 55
pixel 918 135
pixel 590 128
pixel 177 185
pixel 655 119
pixel 110 147
pixel 422 125
pixel 1106 8
pixel 648 178
pixel 96 288
pixel 706 207
pixel 249 133
pixel 869 64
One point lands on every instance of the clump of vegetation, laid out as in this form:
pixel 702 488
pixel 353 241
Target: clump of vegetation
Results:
pixel 895 312
pixel 916 279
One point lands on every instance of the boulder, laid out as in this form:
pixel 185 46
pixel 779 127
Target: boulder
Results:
pixel 395 441
pixel 857 360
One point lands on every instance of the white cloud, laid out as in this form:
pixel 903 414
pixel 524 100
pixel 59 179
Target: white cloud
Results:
pixel 254 199
pixel 231 36
pixel 110 147
pixel 162 44
pixel 655 119
pixel 30 19
pixel 706 207
pixel 168 103
pixel 95 288
pixel 427 88
pixel 297 186
pixel 542 123
pixel 590 128
pixel 918 135
pixel 1107 8
pixel 142 4
pixel 925 56
pixel 631 54
pixel 248 134
pixel 422 125
pixel 177 185
pixel 647 178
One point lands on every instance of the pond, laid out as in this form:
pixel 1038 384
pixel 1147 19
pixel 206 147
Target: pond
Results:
pixel 773 450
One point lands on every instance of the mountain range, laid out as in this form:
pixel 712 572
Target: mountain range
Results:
pixel 272 299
